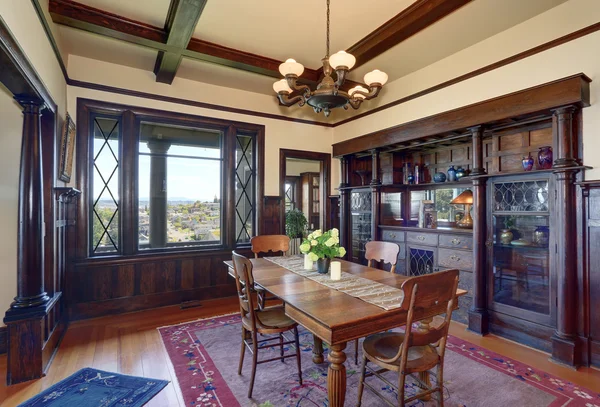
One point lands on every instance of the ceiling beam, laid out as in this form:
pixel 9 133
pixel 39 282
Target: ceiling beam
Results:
pixel 90 19
pixel 415 18
pixel 181 22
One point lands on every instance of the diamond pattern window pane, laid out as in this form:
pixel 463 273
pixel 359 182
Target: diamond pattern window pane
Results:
pixel 523 196
pixel 245 174
pixel 105 188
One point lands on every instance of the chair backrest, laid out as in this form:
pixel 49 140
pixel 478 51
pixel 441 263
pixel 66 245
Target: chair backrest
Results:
pixel 431 291
pixel 244 282
pixel 382 251
pixel 270 243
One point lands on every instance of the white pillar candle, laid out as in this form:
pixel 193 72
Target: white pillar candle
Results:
pixel 336 270
pixel 308 263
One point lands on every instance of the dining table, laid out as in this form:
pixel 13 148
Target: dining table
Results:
pixel 333 316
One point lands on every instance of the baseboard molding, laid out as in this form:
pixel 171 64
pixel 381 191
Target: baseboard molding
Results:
pixel 3 339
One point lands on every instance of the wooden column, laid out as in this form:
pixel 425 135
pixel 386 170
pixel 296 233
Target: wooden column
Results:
pixel 564 343
pixel 375 193
pixel 344 204
pixel 478 317
pixel 24 318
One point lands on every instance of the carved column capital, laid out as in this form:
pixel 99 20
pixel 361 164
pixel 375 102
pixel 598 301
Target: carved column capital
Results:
pixel 565 137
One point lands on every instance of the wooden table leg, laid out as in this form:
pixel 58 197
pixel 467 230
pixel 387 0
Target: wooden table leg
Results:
pixel 317 350
pixel 336 375
pixel 423 327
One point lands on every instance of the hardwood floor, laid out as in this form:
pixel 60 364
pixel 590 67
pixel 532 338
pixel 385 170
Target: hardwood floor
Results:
pixel 130 344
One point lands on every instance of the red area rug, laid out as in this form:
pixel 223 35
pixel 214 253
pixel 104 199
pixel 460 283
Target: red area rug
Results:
pixel 205 354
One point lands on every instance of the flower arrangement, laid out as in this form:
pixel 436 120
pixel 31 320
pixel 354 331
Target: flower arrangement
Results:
pixel 319 245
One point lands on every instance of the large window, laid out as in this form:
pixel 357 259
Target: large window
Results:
pixel 164 181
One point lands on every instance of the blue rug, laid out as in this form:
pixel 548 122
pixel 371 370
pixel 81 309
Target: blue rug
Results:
pixel 91 387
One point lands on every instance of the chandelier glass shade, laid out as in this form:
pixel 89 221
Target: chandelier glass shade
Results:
pixel 328 94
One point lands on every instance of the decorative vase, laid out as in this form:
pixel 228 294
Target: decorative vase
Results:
pixel 460 172
pixel 506 236
pixel 528 163
pixel 411 179
pixel 439 177
pixel 323 265
pixel 451 174
pixel 541 236
pixel 545 158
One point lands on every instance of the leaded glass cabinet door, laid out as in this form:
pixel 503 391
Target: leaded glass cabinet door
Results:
pixel 521 248
pixel 360 211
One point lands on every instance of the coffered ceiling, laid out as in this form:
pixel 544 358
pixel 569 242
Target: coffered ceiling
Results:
pixel 240 43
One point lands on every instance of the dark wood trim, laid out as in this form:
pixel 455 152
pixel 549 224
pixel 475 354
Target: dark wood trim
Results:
pixel 325 159
pixel 517 57
pixel 188 102
pixel 415 18
pixel 566 91
pixel 3 339
pixel 18 74
pixel 182 19
pixel 40 13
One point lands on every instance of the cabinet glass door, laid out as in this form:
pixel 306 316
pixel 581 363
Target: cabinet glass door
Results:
pixel 360 209
pixel 521 226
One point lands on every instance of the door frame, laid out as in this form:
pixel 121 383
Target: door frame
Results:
pixel 325 174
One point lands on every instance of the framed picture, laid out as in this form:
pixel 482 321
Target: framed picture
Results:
pixel 67 146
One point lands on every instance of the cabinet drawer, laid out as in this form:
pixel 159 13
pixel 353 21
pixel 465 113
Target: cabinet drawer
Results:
pixel 457 241
pixel 392 235
pixel 422 238
pixel 455 259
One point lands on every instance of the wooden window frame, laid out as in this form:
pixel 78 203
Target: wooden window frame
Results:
pixel 131 117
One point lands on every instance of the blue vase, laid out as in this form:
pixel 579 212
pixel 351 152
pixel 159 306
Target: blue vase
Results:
pixel 460 172
pixel 411 179
pixel 439 177
pixel 451 174
pixel 323 265
pixel 528 163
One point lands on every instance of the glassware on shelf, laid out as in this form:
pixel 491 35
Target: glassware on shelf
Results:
pixel 460 173
pixel 439 177
pixel 528 163
pixel 545 158
pixel 451 174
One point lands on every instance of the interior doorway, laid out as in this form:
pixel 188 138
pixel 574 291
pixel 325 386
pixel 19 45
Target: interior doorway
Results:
pixel 304 181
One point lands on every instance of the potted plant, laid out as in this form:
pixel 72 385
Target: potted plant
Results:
pixel 322 247
pixel 295 225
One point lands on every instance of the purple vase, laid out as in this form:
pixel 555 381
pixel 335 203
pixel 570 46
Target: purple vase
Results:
pixel 528 163
pixel 545 158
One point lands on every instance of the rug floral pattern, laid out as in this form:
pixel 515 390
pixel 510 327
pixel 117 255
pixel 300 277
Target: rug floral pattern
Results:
pixel 206 370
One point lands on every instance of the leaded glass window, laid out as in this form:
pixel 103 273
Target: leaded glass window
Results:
pixel 105 188
pixel 245 185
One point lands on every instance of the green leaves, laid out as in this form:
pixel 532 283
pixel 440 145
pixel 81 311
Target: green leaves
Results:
pixel 323 245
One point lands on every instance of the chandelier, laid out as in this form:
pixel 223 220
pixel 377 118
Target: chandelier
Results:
pixel 328 94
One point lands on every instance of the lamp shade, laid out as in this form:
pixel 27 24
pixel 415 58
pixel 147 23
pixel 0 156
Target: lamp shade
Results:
pixel 353 90
pixel 342 59
pixel 466 197
pixel 376 76
pixel 282 86
pixel 291 67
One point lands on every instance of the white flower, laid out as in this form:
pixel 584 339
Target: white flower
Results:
pixel 310 237
pixel 336 239
pixel 313 256
pixel 317 233
pixel 341 252
pixel 314 243
pixel 335 232
pixel 304 247
pixel 330 242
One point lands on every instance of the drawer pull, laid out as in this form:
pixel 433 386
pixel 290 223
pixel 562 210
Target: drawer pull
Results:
pixel 421 237
pixel 455 257
pixel 455 241
pixel 393 235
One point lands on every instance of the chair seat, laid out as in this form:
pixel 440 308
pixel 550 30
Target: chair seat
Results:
pixel 275 318
pixel 385 345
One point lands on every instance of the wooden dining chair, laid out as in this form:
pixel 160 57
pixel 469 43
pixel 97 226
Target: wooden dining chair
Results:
pixel 385 252
pixel 268 244
pixel 415 350
pixel 266 322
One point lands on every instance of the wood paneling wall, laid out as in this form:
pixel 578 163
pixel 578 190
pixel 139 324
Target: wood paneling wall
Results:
pixel 272 223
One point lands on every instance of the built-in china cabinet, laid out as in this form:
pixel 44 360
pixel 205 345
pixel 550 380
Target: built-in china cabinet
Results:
pixel 520 164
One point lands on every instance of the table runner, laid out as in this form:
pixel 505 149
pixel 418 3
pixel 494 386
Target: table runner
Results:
pixel 373 292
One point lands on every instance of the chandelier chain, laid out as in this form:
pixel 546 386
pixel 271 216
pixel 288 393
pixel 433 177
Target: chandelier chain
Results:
pixel 327 54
